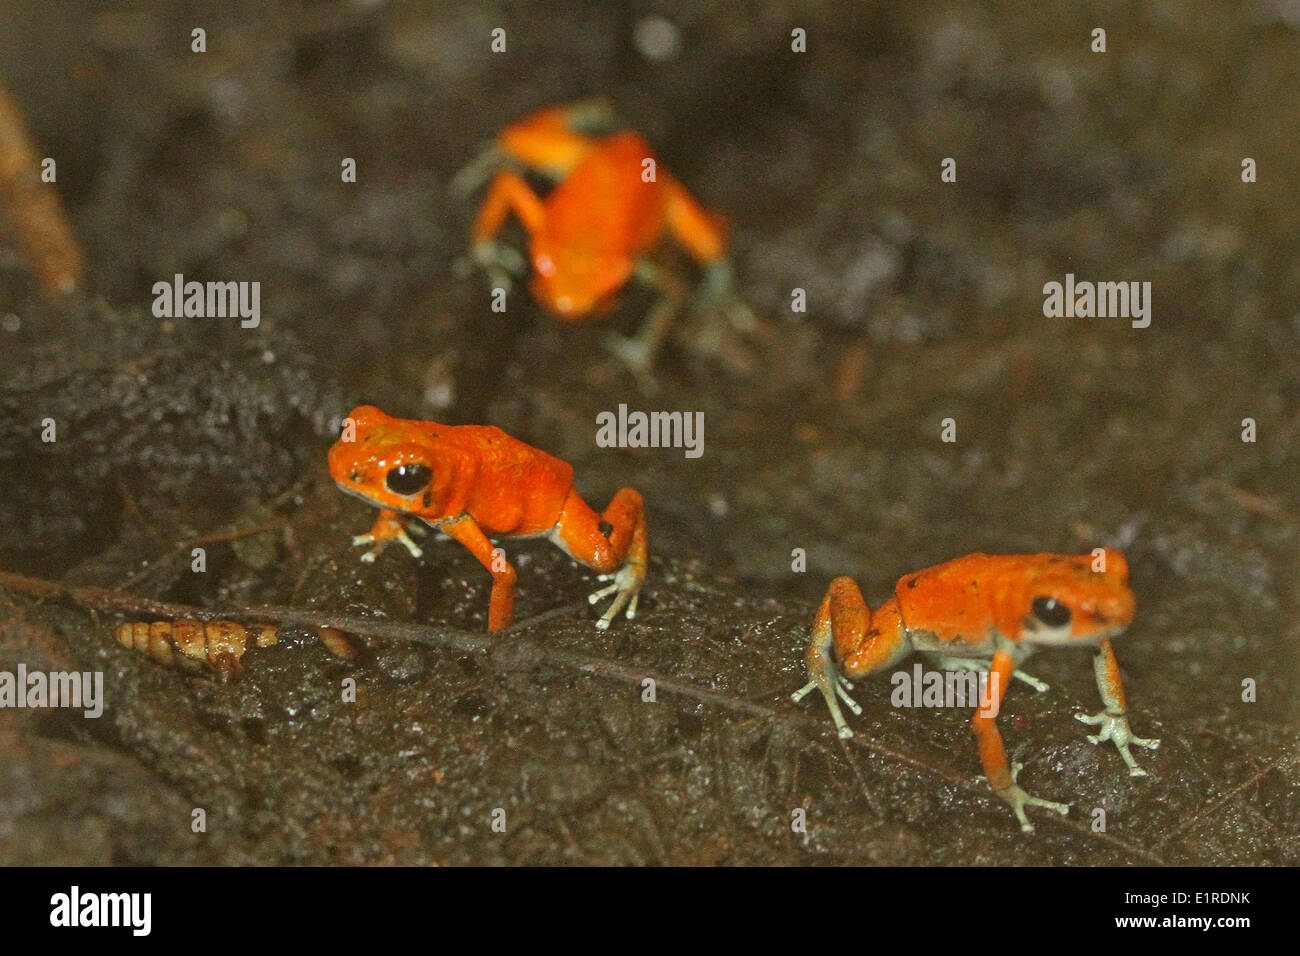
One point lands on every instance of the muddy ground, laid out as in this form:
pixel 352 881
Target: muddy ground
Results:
pixel 822 429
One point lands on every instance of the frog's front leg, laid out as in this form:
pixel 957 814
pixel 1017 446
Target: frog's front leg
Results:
pixel 863 641
pixel 501 603
pixel 389 526
pixel 509 192
pixel 1114 719
pixel 1001 777
pixel 620 555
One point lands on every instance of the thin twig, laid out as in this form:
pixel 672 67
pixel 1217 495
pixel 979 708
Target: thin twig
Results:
pixel 1214 805
pixel 1249 501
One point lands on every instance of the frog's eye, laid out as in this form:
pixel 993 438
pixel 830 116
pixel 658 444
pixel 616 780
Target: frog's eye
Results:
pixel 408 480
pixel 1051 611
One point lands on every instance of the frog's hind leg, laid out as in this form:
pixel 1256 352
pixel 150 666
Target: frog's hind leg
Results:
pixel 638 352
pixel 619 554
pixel 704 236
pixel 701 233
pixel 863 641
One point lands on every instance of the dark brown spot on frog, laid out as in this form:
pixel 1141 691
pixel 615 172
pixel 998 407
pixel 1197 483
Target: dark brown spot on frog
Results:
pixel 428 498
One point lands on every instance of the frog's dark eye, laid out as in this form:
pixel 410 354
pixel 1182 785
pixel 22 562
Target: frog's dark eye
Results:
pixel 407 480
pixel 1051 611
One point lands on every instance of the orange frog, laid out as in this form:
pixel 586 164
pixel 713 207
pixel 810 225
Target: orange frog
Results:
pixel 590 234
pixel 980 608
pixel 475 482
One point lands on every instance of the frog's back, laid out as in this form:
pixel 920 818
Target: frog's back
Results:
pixel 517 489
pixel 968 600
pixel 606 198
pixel 951 605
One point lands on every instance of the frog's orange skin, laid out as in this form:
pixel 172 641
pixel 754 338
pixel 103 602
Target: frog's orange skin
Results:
pixel 474 482
pixel 995 608
pixel 589 234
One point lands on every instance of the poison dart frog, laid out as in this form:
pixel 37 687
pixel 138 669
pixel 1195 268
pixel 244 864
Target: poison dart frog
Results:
pixel 994 608
pixel 475 482
pixel 611 206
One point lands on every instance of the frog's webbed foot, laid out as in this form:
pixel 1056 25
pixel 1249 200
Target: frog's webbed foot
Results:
pixel 721 326
pixel 636 355
pixel 1114 727
pixel 1018 800
pixel 594 116
pixel 502 263
pixel 626 588
pixel 477 171
pixel 379 543
pixel 716 293
pixel 833 685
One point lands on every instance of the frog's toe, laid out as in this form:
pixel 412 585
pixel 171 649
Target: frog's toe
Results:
pixel 501 263
pixel 1019 799
pixel 476 172
pixel 824 676
pixel 410 545
pixel 626 587
pixel 633 353
pixel 1114 727
pixel 841 689
pixel 363 539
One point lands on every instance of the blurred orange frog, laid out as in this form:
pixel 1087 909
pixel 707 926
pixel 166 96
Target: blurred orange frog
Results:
pixel 611 206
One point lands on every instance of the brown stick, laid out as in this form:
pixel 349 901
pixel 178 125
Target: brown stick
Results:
pixel 32 208
pixel 104 599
